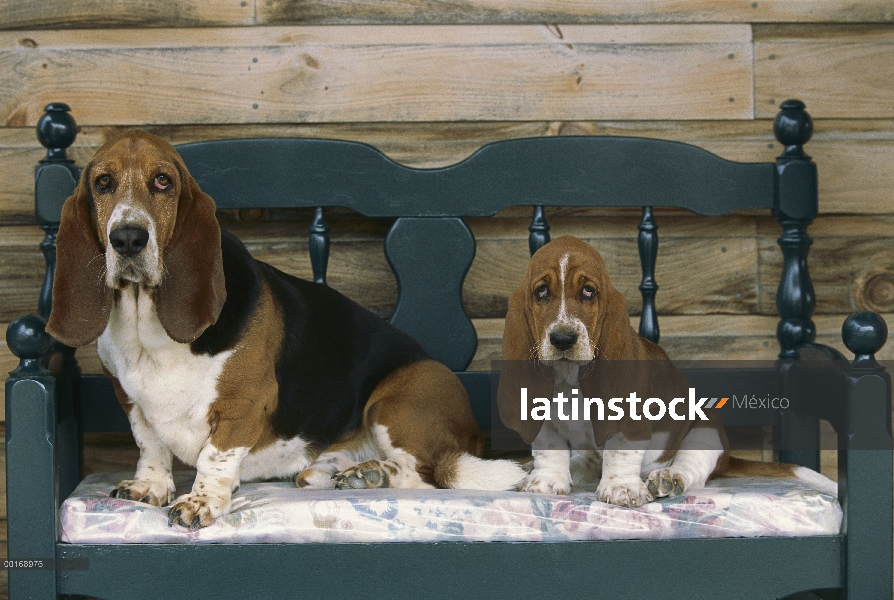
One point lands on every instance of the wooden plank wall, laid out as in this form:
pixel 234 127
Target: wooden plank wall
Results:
pixel 428 82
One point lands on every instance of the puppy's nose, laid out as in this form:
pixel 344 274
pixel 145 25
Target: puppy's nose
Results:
pixel 129 241
pixel 563 340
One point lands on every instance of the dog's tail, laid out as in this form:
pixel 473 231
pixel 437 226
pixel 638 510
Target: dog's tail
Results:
pixel 461 470
pixel 739 467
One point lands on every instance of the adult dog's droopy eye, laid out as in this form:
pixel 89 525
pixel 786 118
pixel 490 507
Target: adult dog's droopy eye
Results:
pixel 161 182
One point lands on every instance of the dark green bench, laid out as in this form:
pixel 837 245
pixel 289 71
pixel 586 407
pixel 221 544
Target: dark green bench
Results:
pixel 430 248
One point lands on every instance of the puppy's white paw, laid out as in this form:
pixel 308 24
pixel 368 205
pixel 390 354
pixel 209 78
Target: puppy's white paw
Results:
pixel 666 482
pixel 547 481
pixel 623 491
pixel 157 492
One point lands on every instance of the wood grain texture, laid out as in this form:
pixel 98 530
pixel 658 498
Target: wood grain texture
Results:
pixel 95 14
pixel 569 11
pixel 839 72
pixel 374 73
pixel 103 452
pixel 839 266
pixel 90 14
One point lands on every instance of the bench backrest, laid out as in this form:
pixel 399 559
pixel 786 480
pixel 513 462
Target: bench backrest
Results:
pixel 430 247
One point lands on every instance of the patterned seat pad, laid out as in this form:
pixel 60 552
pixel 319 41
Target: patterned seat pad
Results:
pixel 278 512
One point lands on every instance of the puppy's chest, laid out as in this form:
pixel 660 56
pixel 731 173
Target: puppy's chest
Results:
pixel 577 431
pixel 169 383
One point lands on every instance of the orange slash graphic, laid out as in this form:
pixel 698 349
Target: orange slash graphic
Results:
pixel 721 403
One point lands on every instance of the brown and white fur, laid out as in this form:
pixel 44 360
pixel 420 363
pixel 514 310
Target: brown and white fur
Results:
pixel 567 314
pixel 235 367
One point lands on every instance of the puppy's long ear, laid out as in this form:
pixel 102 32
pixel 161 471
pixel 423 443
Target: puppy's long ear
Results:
pixel 192 291
pixel 81 300
pixel 518 339
pixel 520 369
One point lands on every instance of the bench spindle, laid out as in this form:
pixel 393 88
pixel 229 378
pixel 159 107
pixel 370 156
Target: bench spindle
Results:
pixel 318 246
pixel 539 229
pixel 648 254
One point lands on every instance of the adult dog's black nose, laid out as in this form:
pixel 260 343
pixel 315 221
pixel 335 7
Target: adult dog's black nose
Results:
pixel 563 340
pixel 129 241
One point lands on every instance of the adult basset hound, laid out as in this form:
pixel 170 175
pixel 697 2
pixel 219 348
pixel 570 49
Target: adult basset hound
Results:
pixel 239 369
pixel 567 314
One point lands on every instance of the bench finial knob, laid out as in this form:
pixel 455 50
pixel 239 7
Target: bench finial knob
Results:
pixel 864 334
pixel 56 130
pixel 27 339
pixel 793 127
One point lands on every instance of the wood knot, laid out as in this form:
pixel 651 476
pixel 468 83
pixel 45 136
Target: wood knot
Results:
pixel 875 291
pixel 252 215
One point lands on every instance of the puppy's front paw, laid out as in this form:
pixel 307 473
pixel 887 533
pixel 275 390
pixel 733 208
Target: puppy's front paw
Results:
pixel 547 481
pixel 623 491
pixel 156 493
pixel 197 510
pixel 366 475
pixel 666 482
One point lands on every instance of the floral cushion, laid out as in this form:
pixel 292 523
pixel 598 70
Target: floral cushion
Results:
pixel 278 512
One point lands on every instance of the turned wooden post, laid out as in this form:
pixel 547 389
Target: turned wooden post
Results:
pixel 54 180
pixel 795 208
pixel 865 460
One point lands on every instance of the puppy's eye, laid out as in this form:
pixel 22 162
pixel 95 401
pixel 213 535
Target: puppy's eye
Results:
pixel 542 293
pixel 161 182
pixel 104 183
pixel 587 293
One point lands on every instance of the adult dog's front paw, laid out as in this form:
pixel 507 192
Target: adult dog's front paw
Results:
pixel 547 481
pixel 666 482
pixel 156 493
pixel 197 510
pixel 367 475
pixel 623 491
pixel 315 479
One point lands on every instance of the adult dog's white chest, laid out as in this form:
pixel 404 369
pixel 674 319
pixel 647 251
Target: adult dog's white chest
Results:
pixel 172 387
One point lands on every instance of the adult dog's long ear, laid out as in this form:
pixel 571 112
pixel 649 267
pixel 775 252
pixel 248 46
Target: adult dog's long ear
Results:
pixel 192 290
pixel 81 301
pixel 615 334
pixel 520 369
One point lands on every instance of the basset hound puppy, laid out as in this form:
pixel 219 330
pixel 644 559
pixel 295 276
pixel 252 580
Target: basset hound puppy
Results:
pixel 569 322
pixel 237 368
